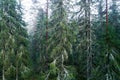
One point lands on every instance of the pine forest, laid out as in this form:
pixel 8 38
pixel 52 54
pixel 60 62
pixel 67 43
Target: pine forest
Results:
pixel 60 40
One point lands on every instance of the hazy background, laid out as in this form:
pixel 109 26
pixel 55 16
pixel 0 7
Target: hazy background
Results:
pixel 30 11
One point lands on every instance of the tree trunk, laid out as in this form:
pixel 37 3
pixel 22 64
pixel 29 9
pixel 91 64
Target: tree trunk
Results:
pixel 108 54
pixel 3 76
pixel 88 38
pixel 46 51
pixel 3 71
pixel 106 16
pixel 47 21
pixel 17 70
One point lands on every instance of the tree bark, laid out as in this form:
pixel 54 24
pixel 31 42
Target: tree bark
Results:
pixel 108 54
pixel 47 20
pixel 3 70
pixel 16 70
pixel 88 38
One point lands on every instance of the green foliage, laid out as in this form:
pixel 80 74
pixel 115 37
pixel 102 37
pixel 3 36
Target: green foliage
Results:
pixel 63 53
pixel 13 40
pixel 110 47
pixel 53 68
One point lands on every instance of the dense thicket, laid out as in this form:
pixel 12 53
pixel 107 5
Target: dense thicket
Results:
pixel 13 42
pixel 72 40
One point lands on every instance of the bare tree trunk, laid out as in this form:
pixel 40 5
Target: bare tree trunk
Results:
pixel 3 74
pixel 106 15
pixel 3 70
pixel 16 70
pixel 88 38
pixel 46 45
pixel 108 54
pixel 100 12
pixel 46 26
pixel 47 21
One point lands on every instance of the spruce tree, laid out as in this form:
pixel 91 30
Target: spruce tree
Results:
pixel 5 35
pixel 84 42
pixel 14 40
pixel 107 47
pixel 60 42
pixel 115 16
pixel 38 45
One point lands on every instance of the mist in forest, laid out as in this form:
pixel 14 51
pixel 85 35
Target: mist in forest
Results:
pixel 59 40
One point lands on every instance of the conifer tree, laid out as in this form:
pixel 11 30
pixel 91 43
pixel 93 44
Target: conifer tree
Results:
pixel 107 48
pixel 5 35
pixel 84 40
pixel 38 44
pixel 60 42
pixel 115 16
pixel 13 39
